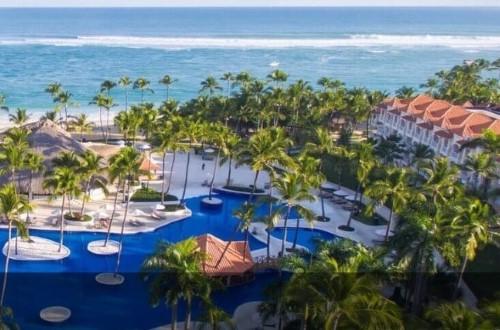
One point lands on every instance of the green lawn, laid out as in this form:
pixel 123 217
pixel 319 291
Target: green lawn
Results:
pixel 482 273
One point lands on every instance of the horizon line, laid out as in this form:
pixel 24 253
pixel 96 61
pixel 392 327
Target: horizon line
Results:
pixel 270 6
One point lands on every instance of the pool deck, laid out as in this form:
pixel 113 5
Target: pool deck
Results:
pixel 43 216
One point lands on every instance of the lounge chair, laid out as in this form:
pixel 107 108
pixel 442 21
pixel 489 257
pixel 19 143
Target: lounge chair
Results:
pixel 157 215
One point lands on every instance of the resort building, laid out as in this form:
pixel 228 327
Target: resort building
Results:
pixel 442 126
pixel 232 263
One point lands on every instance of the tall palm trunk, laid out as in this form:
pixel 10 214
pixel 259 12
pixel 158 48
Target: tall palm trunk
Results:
pixel 213 174
pixel 6 270
pixel 174 317
pixel 163 178
pixel 186 176
pixel 171 172
pixel 351 214
pixel 297 226
pixel 102 124
pixel 187 323
pixel 388 226
pixel 61 224
pixel 120 247
pixel 30 188
pixel 108 234
pixel 229 171
pixel 87 185
pixel 107 126
pixel 285 231
pixel 254 188
pixel 462 270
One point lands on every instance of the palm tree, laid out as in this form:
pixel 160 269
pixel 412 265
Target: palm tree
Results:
pixel 34 163
pixel 167 81
pixel 395 189
pixel 90 167
pixel 177 274
pixel 219 134
pixel 2 102
pixel 65 183
pixel 263 151
pixel 13 151
pixel 100 100
pixel 456 316
pixel 270 220
pixel 405 92
pixel 11 205
pixel 211 85
pixel 81 124
pixel 366 163
pixel 20 117
pixel 125 82
pixel 471 226
pixel 324 146
pixel 107 86
pixel 64 98
pixel 215 318
pixel 229 148
pixel 230 78
pixel 334 295
pixel 190 130
pixel 142 84
pixel 245 215
pixel 53 89
pixel 441 181
pixel 127 161
pixel 279 77
pixel 482 165
pixel 292 189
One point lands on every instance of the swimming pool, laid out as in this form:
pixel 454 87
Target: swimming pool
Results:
pixel 305 237
pixel 70 282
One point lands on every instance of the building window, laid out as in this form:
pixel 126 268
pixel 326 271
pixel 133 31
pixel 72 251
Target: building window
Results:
pixel 403 123
pixel 419 130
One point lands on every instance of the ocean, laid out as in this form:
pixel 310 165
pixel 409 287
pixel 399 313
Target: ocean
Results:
pixel 377 48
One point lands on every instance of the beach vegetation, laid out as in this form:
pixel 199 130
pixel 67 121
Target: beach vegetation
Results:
pixel 150 195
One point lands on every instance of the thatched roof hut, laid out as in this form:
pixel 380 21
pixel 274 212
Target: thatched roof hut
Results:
pixel 48 140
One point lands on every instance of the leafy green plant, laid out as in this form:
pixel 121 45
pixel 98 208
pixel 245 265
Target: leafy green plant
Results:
pixel 151 195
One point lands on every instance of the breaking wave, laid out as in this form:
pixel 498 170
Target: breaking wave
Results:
pixel 170 43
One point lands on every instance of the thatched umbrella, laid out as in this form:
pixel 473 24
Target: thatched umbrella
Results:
pixel 48 140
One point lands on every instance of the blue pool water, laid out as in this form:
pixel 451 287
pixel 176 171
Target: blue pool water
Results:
pixel 305 237
pixel 70 282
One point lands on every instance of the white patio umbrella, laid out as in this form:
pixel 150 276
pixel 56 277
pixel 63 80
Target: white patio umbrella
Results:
pixel 56 212
pixel 109 207
pixel 209 150
pixel 350 198
pixel 341 193
pixel 159 207
pixel 139 213
pixel 102 215
pixel 328 185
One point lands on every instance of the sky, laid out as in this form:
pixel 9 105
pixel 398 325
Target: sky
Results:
pixel 241 3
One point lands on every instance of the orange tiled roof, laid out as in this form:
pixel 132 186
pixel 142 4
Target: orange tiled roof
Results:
pixel 440 113
pixel 444 134
pixel 425 125
pixel 232 263
pixel 147 165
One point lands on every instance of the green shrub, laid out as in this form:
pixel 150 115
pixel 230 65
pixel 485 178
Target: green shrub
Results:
pixel 76 216
pixel 151 195
pixel 173 208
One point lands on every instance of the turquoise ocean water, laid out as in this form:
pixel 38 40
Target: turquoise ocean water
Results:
pixel 379 48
